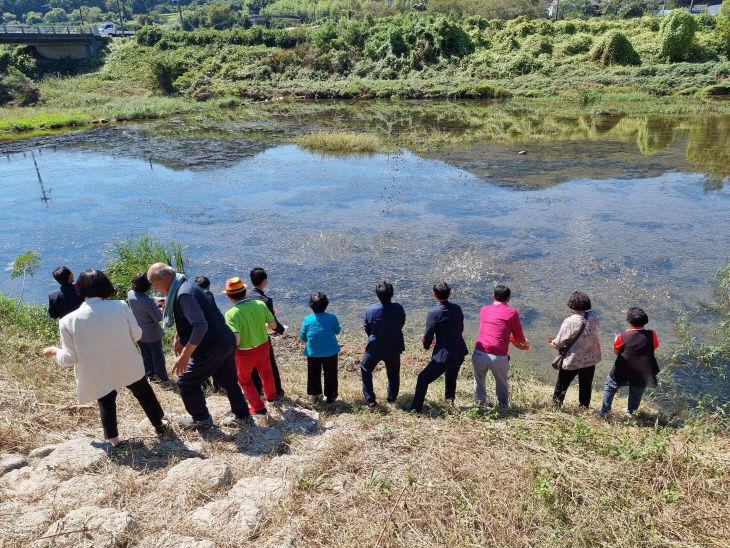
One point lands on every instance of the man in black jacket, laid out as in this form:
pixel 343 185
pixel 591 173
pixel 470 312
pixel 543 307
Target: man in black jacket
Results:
pixel 445 321
pixel 63 300
pixel 259 281
pixel 204 345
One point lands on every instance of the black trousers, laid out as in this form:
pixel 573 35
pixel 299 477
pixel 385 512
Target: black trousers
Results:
pixel 256 378
pixel 146 398
pixel 222 367
pixel 432 372
pixel 585 384
pixel 315 367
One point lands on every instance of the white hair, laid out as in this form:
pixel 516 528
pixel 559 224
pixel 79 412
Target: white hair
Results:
pixel 161 269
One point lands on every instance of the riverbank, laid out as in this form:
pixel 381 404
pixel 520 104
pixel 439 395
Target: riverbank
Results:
pixel 534 66
pixel 374 475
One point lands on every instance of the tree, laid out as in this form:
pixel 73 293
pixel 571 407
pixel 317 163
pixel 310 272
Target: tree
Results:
pixel 56 15
pixel 24 264
pixel 723 26
pixel 33 18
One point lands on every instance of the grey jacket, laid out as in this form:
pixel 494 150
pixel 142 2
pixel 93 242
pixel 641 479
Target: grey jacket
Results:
pixel 147 315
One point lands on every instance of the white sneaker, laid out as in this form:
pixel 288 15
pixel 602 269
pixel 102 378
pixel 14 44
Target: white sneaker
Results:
pixel 628 413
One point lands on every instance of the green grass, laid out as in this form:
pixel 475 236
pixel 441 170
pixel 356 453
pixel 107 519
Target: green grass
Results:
pixel 342 142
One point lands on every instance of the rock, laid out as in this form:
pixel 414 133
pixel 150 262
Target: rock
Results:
pixel 300 420
pixel 234 515
pixel 202 474
pixel 187 449
pixel 82 491
pixel 29 483
pixel 75 455
pixel 259 489
pixel 40 452
pixel 522 152
pixel 176 541
pixel 258 440
pixel 19 520
pixel 101 528
pixel 8 463
pixel 285 466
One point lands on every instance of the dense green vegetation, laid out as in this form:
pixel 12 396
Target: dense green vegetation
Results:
pixel 414 55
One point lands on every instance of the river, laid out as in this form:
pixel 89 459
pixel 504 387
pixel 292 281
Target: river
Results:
pixel 634 211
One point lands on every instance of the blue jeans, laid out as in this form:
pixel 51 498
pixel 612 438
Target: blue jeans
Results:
pixel 610 389
pixel 153 358
pixel 392 369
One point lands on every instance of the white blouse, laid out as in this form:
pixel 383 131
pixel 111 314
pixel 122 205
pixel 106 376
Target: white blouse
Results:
pixel 99 340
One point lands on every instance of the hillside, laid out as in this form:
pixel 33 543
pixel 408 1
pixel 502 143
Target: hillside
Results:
pixel 595 63
pixel 345 475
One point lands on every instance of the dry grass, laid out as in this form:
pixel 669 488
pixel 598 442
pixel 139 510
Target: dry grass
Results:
pixel 342 143
pixel 459 476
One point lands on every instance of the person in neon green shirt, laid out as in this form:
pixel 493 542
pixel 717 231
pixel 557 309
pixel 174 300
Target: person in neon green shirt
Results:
pixel 248 319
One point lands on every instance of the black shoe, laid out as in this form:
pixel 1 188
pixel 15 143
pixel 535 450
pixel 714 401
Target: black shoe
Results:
pixel 409 409
pixel 163 428
pixel 390 400
pixel 262 412
pixel 331 400
pixel 280 395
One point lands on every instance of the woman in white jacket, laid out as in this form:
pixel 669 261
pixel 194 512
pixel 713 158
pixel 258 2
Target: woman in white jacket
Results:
pixel 99 340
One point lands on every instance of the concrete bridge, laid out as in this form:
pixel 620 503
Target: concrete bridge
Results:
pixel 54 42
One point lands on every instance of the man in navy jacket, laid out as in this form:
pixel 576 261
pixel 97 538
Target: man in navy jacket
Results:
pixel 445 321
pixel 384 323
pixel 63 300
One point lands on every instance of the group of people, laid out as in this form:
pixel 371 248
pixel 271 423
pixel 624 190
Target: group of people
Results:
pixel 234 349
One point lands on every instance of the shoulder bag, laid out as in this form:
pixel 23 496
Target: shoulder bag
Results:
pixel 562 352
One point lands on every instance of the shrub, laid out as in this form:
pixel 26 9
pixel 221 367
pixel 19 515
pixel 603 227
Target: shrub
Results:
pixel 581 43
pixel 537 45
pixel 522 64
pixel 164 69
pixel 676 34
pixel 132 256
pixel 16 89
pixel 148 35
pixel 615 49
pixel 723 26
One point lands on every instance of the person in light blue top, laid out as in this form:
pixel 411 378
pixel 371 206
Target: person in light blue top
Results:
pixel 319 331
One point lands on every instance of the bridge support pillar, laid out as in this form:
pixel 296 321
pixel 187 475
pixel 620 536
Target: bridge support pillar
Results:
pixel 69 51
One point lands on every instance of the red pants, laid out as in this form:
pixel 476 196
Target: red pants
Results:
pixel 246 360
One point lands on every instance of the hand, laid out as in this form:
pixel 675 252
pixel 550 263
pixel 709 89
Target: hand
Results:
pixel 177 348
pixel 49 352
pixel 180 365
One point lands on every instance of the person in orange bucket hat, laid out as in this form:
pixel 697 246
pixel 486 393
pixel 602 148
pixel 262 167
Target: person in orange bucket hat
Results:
pixel 248 319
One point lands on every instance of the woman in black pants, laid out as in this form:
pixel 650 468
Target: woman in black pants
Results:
pixel 98 339
pixel 579 335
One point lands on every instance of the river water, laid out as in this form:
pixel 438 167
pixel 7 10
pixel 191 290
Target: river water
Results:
pixel 634 211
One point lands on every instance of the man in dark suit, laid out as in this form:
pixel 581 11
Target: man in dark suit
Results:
pixel 384 323
pixel 63 300
pixel 259 281
pixel 445 321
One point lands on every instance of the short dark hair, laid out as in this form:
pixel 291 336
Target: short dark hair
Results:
pixel 637 317
pixel 62 274
pixel 442 291
pixel 94 283
pixel 140 283
pixel 579 301
pixel 258 275
pixel 318 302
pixel 502 293
pixel 202 282
pixel 384 291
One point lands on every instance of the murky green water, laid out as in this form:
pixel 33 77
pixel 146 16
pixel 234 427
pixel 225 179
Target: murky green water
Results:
pixel 633 210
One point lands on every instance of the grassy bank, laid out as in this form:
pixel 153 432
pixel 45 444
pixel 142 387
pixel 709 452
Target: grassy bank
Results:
pixel 459 475
pixel 531 64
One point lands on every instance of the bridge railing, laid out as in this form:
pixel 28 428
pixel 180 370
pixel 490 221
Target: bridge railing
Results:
pixel 40 29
